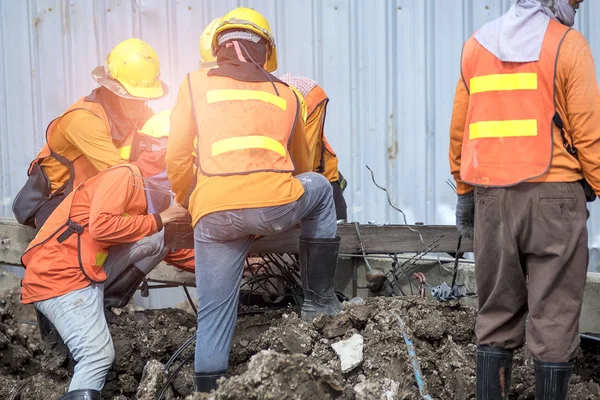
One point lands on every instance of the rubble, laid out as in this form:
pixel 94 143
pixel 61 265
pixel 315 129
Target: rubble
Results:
pixel 277 355
pixel 350 352
pixel 151 382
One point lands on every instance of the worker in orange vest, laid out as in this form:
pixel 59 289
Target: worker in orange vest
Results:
pixel 94 133
pixel 100 230
pixel 323 158
pixel 524 143
pixel 252 179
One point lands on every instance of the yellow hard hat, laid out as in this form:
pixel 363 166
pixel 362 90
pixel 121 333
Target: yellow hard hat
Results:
pixel 132 71
pixel 303 107
pixel 206 39
pixel 247 19
pixel 157 125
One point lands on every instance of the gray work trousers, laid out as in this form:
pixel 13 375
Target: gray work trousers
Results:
pixel 78 316
pixel 222 241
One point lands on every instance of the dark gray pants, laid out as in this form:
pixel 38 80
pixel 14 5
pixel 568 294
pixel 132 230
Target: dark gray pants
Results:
pixel 531 259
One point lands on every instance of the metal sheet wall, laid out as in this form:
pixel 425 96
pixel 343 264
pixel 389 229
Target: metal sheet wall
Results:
pixel 389 66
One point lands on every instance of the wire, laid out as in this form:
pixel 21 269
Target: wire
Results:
pixel 397 209
pixel 178 352
pixel 410 347
pixel 173 375
pixel 455 273
pixel 187 294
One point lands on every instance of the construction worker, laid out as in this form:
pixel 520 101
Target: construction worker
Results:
pixel 323 158
pixel 251 142
pixel 94 133
pixel 95 234
pixel 524 142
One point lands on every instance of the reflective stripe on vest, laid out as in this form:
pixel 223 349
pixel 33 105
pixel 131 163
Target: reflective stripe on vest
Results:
pixel 242 127
pixel 125 152
pixel 508 135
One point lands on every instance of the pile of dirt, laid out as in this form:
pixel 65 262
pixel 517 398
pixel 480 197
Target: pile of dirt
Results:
pixel 276 355
pixel 443 338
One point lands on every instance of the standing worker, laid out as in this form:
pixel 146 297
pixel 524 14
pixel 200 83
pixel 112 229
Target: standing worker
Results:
pixel 94 133
pixel 524 137
pixel 98 231
pixel 251 142
pixel 323 158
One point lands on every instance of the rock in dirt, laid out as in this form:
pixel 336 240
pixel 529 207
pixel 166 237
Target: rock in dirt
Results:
pixel 153 379
pixel 350 352
pixel 383 389
pixel 338 327
pixel 271 375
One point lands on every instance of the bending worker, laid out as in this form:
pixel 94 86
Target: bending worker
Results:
pixel 322 157
pixel 251 142
pixel 525 133
pixel 96 132
pixel 95 234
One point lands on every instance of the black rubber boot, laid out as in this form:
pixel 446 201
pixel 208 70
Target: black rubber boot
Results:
pixel 552 380
pixel 493 373
pixel 204 383
pixel 82 394
pixel 122 289
pixel 318 262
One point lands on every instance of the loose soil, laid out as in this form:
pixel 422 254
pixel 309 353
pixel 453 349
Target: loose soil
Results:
pixel 275 355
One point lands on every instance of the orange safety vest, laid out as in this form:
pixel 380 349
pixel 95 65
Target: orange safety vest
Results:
pixel 81 168
pixel 508 135
pixel 314 98
pixel 242 127
pixel 72 234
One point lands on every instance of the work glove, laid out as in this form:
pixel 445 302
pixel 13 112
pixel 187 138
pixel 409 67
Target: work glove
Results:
pixel 465 215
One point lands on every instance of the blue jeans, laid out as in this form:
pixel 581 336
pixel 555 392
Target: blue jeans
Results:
pixel 78 316
pixel 222 241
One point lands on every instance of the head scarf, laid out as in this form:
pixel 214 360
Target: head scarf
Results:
pixel 517 36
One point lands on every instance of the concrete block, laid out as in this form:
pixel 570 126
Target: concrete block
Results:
pixel 350 352
pixel 589 321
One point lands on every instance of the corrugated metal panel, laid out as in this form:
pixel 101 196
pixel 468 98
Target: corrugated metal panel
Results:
pixel 390 69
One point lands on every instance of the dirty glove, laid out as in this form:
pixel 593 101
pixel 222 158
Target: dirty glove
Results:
pixel 465 215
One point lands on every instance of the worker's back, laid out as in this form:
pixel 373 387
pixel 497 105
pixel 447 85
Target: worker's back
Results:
pixel 250 143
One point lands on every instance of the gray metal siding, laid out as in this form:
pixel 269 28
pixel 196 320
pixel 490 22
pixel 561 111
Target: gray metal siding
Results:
pixel 389 67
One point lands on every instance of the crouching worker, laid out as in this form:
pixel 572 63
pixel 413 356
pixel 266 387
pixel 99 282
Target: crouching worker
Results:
pixel 251 142
pixel 98 231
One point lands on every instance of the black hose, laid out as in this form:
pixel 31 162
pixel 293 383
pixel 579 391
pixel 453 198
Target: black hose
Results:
pixel 172 376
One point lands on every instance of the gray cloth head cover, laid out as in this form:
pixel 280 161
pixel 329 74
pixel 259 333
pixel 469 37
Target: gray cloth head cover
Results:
pixel 517 36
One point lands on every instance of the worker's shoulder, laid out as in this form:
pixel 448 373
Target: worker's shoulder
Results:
pixel 122 172
pixel 83 117
pixel 573 42
pixel 198 73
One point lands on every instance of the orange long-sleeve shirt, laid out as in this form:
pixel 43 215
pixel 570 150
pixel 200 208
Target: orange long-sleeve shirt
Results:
pixel 219 193
pixel 112 207
pixel 78 133
pixel 577 103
